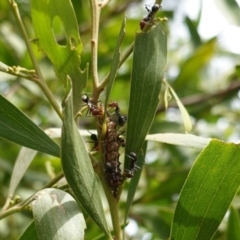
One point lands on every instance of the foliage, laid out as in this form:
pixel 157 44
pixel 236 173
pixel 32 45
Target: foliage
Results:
pixel 61 176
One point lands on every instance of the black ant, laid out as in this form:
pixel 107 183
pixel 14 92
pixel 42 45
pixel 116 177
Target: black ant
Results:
pixel 133 167
pixel 92 108
pixel 87 100
pixel 94 138
pixel 149 17
pixel 121 119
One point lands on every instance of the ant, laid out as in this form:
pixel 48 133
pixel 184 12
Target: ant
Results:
pixel 121 119
pixel 94 138
pixel 93 109
pixel 133 167
pixel 149 17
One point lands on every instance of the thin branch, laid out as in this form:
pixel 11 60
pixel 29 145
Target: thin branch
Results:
pixel 112 13
pixel 10 211
pixel 20 206
pixel 202 98
pixel 16 13
pixel 94 42
pixel 124 57
pixel 40 81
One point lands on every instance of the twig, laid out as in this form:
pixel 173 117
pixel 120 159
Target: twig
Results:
pixel 94 42
pixel 202 98
pixel 124 57
pixel 40 80
pixel 20 206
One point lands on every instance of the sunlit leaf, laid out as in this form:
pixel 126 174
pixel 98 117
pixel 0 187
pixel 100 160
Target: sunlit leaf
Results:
pixel 185 140
pixel 57 216
pixel 185 116
pixel 231 9
pixel 208 191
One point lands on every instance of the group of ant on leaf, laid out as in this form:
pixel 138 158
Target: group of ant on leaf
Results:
pixel 113 140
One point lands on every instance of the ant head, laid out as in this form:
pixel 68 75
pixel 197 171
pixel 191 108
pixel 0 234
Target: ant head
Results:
pixel 155 8
pixel 122 120
pixel 85 98
pixel 94 137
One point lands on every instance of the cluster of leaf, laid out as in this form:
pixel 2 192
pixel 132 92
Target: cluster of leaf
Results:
pixel 159 207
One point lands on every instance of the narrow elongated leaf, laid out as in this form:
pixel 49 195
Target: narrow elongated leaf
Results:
pixel 207 193
pixel 185 140
pixel 149 62
pixel 78 168
pixel 115 62
pixel 66 60
pixel 168 94
pixel 29 233
pixel 193 30
pixel 233 227
pixel 185 116
pixel 134 182
pixel 22 163
pixel 194 63
pixel 230 8
pixel 16 127
pixel 57 216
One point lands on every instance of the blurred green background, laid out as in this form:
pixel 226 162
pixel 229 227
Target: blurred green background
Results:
pixel 203 67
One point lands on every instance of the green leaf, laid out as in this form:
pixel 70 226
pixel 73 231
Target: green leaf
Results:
pixel 57 216
pixel 237 70
pixel 208 191
pixel 233 227
pixel 185 140
pixel 192 28
pixel 230 9
pixel 185 116
pixel 66 60
pixel 29 233
pixel 78 168
pixel 134 182
pixel 194 63
pixel 115 63
pixel 21 165
pixel 16 127
pixel 149 62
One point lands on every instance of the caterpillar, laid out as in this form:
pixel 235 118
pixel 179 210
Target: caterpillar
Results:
pixel 112 164
pixel 112 142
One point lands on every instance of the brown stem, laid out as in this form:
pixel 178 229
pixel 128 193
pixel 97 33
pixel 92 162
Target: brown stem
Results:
pixel 202 98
